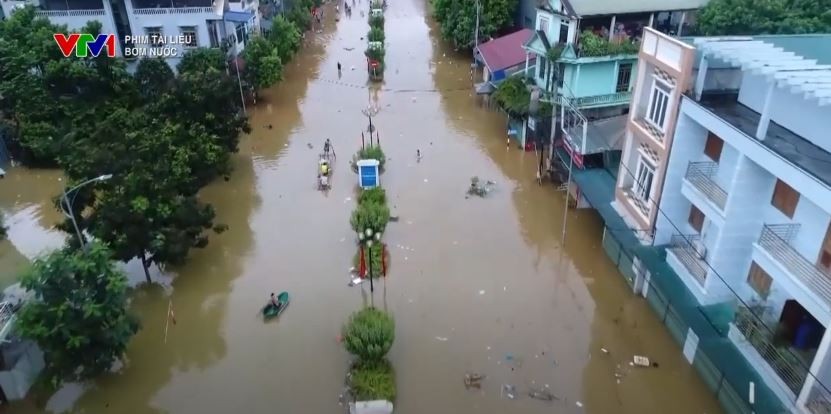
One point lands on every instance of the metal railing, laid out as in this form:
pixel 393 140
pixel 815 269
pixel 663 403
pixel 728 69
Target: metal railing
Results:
pixel 701 176
pixel 685 249
pixel 69 13
pixel 176 10
pixel 775 239
pixel 819 400
pixel 785 363
pixel 6 319
pixel 603 100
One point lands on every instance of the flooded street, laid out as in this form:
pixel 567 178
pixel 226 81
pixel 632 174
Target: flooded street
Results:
pixel 474 284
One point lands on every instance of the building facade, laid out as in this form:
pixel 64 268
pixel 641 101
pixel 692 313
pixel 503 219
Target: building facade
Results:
pixel 745 205
pixel 664 75
pixel 204 23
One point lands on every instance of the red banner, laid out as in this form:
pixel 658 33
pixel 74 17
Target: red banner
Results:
pixel 384 260
pixel 362 267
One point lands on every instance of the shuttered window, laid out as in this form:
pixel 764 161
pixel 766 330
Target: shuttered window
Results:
pixel 785 198
pixel 696 219
pixel 759 280
pixel 713 147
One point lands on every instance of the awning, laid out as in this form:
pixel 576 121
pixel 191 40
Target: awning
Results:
pixel 238 16
pixel 606 134
pixel 484 88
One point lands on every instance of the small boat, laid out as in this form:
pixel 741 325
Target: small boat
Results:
pixel 270 311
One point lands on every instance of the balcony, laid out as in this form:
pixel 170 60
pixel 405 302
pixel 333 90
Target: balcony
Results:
pixel 775 240
pixel 790 368
pixel 600 101
pixel 701 176
pixel 690 251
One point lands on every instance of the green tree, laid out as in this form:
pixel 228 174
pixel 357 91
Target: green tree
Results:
pixel 374 195
pixel 457 19
pixel 154 78
pixel 513 96
pixel 285 36
pixel 751 17
pixel 149 209
pixel 202 59
pixel 369 334
pixel 370 216
pixel 263 66
pixel 79 315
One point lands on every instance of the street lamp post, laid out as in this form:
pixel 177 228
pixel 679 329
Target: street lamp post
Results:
pixel 368 238
pixel 66 204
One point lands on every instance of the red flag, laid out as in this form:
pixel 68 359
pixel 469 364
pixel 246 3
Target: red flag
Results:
pixel 384 260
pixel 362 267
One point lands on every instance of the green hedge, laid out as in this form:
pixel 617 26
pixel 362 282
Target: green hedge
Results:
pixel 369 335
pixel 371 152
pixel 374 381
pixel 376 34
pixel 377 22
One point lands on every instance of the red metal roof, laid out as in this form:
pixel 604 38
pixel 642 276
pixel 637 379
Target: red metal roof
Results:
pixel 506 51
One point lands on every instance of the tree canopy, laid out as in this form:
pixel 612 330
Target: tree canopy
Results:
pixel 752 17
pixel 263 66
pixel 285 36
pixel 79 316
pixel 457 19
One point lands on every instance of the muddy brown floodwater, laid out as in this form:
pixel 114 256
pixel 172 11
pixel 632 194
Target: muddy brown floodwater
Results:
pixel 474 284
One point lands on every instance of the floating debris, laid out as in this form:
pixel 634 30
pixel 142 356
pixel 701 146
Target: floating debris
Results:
pixel 640 361
pixel 473 380
pixel 479 190
pixel 542 394
pixel 441 338
pixel 604 350
pixel 508 391
pixel 481 292
pixel 578 403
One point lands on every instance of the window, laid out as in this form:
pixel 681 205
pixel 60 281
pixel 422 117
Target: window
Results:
pixel 563 32
pixel 759 280
pixel 542 65
pixel 643 180
pixel 155 34
pixel 658 103
pixel 785 198
pixel 189 32
pixel 696 218
pixel 713 147
pixel 543 24
pixel 624 74
pixel 241 33
pixel 561 73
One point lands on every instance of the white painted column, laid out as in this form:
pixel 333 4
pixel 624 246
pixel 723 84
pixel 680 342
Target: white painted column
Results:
pixel 576 82
pixel 764 119
pixel 820 359
pixel 612 28
pixel 700 77
pixel 651 19
pixel 527 58
pixel 681 23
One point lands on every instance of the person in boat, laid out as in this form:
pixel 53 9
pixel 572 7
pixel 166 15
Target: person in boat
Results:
pixel 274 302
pixel 328 144
pixel 324 168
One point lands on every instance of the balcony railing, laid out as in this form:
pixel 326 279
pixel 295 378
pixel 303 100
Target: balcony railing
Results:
pixel 69 13
pixel 701 176
pixel 691 252
pixel 7 318
pixel 785 363
pixel 176 10
pixel 775 239
pixel 819 400
pixel 611 99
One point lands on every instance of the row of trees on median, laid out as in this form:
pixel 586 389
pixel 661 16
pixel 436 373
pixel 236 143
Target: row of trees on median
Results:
pixel 161 136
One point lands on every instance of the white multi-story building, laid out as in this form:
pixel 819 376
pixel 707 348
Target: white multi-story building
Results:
pixel 205 23
pixel 745 205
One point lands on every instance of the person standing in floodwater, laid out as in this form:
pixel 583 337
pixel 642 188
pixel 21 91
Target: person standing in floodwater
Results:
pixel 418 155
pixel 338 67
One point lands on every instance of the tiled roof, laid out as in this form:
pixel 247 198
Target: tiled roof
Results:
pixel 506 51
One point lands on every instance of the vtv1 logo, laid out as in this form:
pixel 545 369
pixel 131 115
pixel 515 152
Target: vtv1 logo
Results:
pixel 85 44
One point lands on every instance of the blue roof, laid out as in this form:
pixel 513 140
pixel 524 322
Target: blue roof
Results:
pixel 238 17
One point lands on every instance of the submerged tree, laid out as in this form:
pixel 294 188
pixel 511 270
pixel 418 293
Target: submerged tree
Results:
pixel 79 315
pixel 457 19
pixel 285 36
pixel 263 66
pixel 369 334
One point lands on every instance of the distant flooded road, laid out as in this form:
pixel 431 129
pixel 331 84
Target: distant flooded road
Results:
pixel 481 284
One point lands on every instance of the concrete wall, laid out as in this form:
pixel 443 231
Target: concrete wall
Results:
pixel 596 78
pixel 791 110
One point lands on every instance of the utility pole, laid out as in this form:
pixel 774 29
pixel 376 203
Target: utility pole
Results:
pixel 476 33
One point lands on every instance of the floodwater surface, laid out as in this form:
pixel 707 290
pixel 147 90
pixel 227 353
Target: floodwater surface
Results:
pixel 478 284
